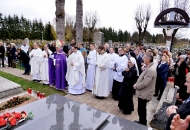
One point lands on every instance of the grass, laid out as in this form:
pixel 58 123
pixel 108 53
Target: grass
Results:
pixel 25 84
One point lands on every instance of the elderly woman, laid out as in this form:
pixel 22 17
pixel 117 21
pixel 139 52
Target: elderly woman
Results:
pixel 162 75
pixel 180 72
pixel 13 55
pixel 126 91
pixel 9 55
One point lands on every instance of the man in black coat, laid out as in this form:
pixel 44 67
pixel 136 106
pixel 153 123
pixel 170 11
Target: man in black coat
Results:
pixel 183 110
pixel 139 60
pixel 25 59
pixel 2 53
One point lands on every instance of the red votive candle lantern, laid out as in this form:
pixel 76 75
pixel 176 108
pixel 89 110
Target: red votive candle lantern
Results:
pixel 168 79
pixel 173 79
pixel 43 95
pixel 29 90
pixel 38 94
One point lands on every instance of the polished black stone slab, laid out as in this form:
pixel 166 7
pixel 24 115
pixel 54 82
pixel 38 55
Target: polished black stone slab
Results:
pixel 60 113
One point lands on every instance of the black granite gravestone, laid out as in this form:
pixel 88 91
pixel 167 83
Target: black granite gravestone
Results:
pixel 60 113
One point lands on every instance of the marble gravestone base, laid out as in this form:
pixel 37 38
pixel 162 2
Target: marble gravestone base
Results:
pixel 8 88
pixel 60 113
pixel 160 118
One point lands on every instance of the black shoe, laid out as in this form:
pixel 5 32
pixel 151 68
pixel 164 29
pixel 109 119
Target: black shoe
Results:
pixel 38 80
pixel 34 80
pixel 24 74
pixel 137 122
pixel 89 90
pixel 3 66
pixel 158 99
pixel 155 95
pixel 97 97
pixel 126 113
pixel 45 84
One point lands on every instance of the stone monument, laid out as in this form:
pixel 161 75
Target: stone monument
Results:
pixel 110 43
pixel 8 88
pixel 99 38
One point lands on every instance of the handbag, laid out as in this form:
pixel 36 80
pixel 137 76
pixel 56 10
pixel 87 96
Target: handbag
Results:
pixel 13 64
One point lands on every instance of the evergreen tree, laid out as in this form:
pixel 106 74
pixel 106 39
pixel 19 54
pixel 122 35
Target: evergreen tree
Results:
pixel 48 35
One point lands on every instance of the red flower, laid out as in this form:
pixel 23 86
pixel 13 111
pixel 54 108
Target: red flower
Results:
pixel 7 115
pixel 2 121
pixel 12 121
pixel 17 115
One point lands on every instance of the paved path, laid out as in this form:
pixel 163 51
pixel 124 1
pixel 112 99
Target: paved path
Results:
pixel 107 105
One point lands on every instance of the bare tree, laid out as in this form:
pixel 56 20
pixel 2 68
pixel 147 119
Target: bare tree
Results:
pixel 79 21
pixel 60 19
pixel 69 27
pixel 142 17
pixel 91 19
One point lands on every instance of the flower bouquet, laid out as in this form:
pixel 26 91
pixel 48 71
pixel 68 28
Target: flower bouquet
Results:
pixel 13 102
pixel 9 120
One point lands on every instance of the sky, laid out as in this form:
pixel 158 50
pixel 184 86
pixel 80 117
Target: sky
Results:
pixel 118 14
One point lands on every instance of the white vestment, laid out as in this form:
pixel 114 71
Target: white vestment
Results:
pixel 113 58
pixel 76 74
pixel 44 68
pixel 102 76
pixel 35 63
pixel 24 48
pixel 91 59
pixel 121 65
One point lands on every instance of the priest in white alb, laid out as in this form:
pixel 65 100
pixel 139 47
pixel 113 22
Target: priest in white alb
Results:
pixel 101 88
pixel 44 68
pixel 35 56
pixel 75 72
pixel 113 58
pixel 91 60
pixel 120 66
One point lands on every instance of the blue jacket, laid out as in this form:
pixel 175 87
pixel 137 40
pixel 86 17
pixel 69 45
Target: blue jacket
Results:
pixel 162 71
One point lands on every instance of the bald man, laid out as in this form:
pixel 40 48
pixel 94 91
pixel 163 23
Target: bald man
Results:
pixel 106 47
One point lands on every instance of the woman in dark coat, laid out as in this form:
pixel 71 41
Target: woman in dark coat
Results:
pixel 180 72
pixel 25 60
pixel 126 91
pixel 9 55
pixel 13 55
pixel 162 76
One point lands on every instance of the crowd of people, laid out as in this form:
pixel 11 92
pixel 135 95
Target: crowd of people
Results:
pixel 130 71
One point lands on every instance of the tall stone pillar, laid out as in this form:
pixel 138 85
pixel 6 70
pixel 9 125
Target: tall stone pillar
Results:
pixel 79 21
pixel 60 19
